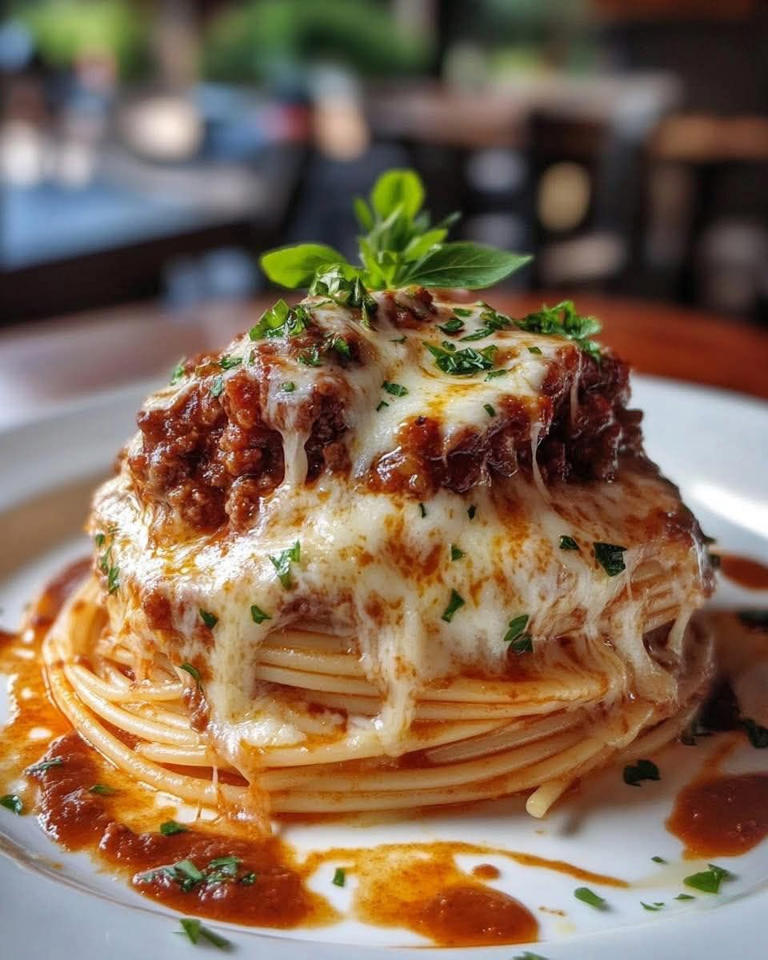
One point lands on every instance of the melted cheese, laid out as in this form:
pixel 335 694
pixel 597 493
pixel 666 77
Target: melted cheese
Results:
pixel 373 568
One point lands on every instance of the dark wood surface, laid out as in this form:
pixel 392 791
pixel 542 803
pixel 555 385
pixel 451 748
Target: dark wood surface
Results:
pixel 45 364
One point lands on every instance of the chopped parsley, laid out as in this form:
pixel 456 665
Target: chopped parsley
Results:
pixel 642 770
pixel 178 372
pixel 610 557
pixel 44 765
pixel 562 320
pixel 311 357
pixel 589 896
pixel 340 345
pixel 227 363
pixel 535 350
pixel 422 510
pixel 192 671
pixel 281 321
pixel 258 615
pixel 339 877
pixel 395 389
pixel 489 409
pixel 708 881
pixel 399 339
pixel 653 907
pixel 217 387
pixel 568 543
pixel 282 563
pixel 188 876
pixel 381 406
pixel 12 802
pixel 527 955
pixel 462 312
pixel 492 321
pixel 208 618
pixel 684 896
pixel 102 790
pixel 456 553
pixel 453 325
pixel 456 602
pixel 170 827
pixel 519 641
pixel 758 736
pixel 288 387
pixel 496 373
pixel 658 859
pixel 195 930
pixel 471 512
pixel 464 362
pixel 105 562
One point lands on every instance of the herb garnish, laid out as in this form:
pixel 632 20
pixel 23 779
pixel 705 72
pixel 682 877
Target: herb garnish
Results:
pixel 288 387
pixel 178 372
pixel 492 321
pixel 12 802
pixel 281 321
pixel 758 736
pixel 519 641
pixel 489 409
pixel 208 618
pixel 105 562
pixel 227 363
pixel 258 615
pixel 311 357
pixel 528 956
pixel 192 671
pixel 658 859
pixel 471 512
pixel 563 321
pixel 102 790
pixel 462 363
pixel 456 553
pixel 217 387
pixel 452 325
pixel 422 510
pixel 381 405
pixel 282 563
pixel 610 557
pixel 568 543
pixel 684 896
pixel 658 905
pixel 395 389
pixel 170 827
pixel 589 896
pixel 44 765
pixel 454 603
pixel 339 877
pixel 708 881
pixel 400 247
pixel 194 930
pixel 642 770
pixel 492 374
pixel 535 350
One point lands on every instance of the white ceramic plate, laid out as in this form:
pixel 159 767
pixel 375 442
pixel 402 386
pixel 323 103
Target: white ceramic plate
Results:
pixel 712 443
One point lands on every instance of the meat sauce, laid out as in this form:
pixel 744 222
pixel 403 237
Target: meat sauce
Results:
pixel 213 454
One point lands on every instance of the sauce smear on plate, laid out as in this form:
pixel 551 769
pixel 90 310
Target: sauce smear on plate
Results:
pixel 724 816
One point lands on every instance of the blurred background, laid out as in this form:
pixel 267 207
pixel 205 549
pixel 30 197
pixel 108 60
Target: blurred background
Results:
pixel 149 151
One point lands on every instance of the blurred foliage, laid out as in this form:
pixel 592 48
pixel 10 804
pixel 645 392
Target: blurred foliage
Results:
pixel 255 41
pixel 64 30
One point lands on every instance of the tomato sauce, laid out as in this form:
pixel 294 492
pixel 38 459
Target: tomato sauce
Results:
pixel 722 816
pixel 743 570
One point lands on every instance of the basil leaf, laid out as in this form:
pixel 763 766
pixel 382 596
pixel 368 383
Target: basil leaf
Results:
pixel 397 189
pixel 464 264
pixel 296 266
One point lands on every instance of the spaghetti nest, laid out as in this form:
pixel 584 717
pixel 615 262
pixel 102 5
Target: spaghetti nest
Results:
pixel 470 739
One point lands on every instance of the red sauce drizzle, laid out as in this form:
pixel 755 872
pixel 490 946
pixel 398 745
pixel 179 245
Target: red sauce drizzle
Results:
pixel 743 570
pixel 724 816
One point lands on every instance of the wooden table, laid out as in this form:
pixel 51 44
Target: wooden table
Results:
pixel 44 365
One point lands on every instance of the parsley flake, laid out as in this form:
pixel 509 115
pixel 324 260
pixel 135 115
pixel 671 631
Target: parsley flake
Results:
pixel 658 859
pixel 653 907
pixel 178 372
pixel 209 619
pixel 339 877
pixel 610 557
pixel 192 671
pixel 217 387
pixel 258 615
pixel 195 930
pixel 382 404
pixel 708 881
pixel 395 389
pixel 228 363
pixel 589 896
pixel 44 765
pixel 102 790
pixel 170 827
pixel 288 387
pixel 684 896
pixel 489 409
pixel 460 363
pixel 568 543
pixel 535 350
pixel 642 770
pixel 12 802
pixel 519 641
pixel 422 510
pixel 282 563
pixel 454 603
pixel 456 553
pixel 452 325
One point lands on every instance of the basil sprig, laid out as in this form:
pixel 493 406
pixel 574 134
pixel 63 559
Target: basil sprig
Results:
pixel 399 247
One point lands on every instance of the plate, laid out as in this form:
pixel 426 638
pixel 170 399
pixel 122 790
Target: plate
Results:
pixel 705 440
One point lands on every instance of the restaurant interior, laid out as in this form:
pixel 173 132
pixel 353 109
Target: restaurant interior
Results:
pixel 150 152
